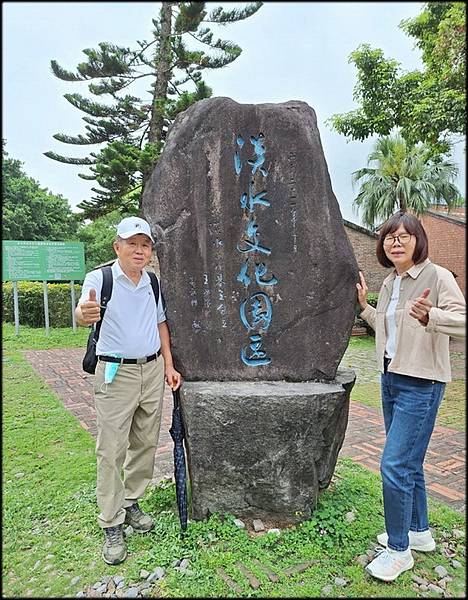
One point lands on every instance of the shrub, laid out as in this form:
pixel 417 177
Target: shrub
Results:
pixel 31 303
pixel 372 298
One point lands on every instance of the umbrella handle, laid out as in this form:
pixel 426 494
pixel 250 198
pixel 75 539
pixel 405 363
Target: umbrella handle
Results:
pixel 176 397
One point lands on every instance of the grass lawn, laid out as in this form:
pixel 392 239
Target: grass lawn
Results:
pixel 35 339
pixel 50 534
pixel 362 342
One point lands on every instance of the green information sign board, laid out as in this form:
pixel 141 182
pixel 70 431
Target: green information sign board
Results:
pixel 42 261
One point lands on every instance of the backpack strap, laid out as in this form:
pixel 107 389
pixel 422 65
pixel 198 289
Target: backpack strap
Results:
pixel 106 288
pixel 155 286
pixel 106 293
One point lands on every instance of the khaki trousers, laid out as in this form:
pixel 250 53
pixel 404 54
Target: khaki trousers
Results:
pixel 128 414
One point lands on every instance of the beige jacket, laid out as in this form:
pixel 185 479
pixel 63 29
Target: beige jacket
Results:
pixel 420 351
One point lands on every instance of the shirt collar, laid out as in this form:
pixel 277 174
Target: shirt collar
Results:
pixel 416 269
pixel 118 273
pixel 117 270
pixel 413 272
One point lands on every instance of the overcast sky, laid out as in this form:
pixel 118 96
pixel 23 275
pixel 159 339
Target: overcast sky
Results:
pixel 291 51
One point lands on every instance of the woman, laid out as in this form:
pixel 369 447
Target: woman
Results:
pixel 420 305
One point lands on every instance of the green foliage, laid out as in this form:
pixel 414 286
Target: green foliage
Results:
pixel 98 236
pixel 372 298
pixel 403 177
pixel 428 105
pixel 440 33
pixel 31 303
pixel 134 129
pixel 31 212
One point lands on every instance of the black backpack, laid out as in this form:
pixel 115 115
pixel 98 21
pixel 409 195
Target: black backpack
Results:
pixel 90 358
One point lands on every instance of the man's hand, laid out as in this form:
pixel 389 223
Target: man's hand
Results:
pixel 173 378
pixel 420 307
pixel 90 310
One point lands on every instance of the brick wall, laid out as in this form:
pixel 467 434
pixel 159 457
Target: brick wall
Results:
pixel 364 243
pixel 459 211
pixel 447 243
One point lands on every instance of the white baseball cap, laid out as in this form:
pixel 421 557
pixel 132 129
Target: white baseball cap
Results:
pixel 132 226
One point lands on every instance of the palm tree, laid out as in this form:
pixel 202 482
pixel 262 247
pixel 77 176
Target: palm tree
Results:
pixel 403 177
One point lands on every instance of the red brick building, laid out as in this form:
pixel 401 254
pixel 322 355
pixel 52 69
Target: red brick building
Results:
pixel 447 245
pixel 447 240
pixel 364 242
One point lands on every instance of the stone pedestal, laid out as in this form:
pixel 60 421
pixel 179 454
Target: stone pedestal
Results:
pixel 263 449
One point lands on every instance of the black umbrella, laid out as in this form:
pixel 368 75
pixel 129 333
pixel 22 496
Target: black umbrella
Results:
pixel 177 432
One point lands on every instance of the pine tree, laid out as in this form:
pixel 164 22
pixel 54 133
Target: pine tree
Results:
pixel 133 130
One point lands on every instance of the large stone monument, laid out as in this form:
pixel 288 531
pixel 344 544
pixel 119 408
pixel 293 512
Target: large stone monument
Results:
pixel 259 280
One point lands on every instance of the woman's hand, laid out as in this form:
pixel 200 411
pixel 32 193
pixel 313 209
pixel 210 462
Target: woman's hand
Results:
pixel 420 307
pixel 362 291
pixel 173 378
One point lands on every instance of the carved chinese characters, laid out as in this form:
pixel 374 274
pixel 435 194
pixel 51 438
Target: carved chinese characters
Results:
pixel 256 269
pixel 256 310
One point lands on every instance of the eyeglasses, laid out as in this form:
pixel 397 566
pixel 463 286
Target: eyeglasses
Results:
pixel 402 239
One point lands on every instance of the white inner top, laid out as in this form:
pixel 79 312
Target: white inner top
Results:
pixel 390 322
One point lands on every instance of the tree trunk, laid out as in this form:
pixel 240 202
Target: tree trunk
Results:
pixel 163 74
pixel 403 206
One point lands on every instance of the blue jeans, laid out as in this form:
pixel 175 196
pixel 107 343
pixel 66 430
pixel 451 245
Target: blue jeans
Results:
pixel 410 407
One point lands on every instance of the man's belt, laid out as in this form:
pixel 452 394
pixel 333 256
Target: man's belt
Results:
pixel 130 361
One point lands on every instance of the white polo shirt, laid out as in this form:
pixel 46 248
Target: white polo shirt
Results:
pixel 130 325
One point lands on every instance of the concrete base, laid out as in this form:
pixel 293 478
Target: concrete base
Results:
pixel 263 449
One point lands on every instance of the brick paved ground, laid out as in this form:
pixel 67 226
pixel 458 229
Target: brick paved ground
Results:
pixel 365 435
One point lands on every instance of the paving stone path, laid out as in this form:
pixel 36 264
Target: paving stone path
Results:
pixel 365 435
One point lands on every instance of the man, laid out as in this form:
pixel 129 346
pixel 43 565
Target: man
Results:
pixel 134 357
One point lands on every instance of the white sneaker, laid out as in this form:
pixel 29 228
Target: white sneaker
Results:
pixel 388 564
pixel 422 541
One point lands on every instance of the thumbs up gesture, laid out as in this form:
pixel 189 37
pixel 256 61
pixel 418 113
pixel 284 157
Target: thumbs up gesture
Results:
pixel 420 307
pixel 90 310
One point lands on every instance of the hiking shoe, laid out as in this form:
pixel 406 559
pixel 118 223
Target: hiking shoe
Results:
pixel 422 541
pixel 114 550
pixel 389 564
pixel 138 519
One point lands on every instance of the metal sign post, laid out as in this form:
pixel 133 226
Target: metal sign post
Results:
pixel 72 288
pixel 46 308
pixel 16 306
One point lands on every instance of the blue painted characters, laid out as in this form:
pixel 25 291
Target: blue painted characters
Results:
pixel 252 199
pixel 259 149
pixel 237 160
pixel 252 244
pixel 256 310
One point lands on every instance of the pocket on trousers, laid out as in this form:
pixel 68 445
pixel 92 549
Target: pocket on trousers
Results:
pixel 98 377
